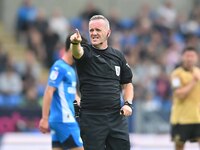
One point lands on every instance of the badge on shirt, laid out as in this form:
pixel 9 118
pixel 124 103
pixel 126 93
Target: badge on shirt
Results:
pixel 176 82
pixel 54 75
pixel 127 65
pixel 117 70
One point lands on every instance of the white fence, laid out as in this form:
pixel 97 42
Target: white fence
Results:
pixel 156 142
pixel 37 141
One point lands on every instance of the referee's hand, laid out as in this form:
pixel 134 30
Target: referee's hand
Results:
pixel 76 37
pixel 126 110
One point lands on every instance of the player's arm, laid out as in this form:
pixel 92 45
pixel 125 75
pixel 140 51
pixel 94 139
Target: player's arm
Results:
pixel 77 49
pixel 78 99
pixel 47 101
pixel 48 94
pixel 128 94
pixel 182 91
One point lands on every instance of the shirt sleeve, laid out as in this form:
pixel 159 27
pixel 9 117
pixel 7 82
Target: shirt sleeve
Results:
pixel 175 82
pixel 56 76
pixel 126 73
pixel 85 54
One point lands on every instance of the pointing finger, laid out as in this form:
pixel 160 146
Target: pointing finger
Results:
pixel 77 32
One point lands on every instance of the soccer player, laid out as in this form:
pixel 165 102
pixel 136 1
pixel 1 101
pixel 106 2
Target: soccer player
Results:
pixel 103 74
pixel 185 114
pixel 58 109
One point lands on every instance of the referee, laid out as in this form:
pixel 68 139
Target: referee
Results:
pixel 103 74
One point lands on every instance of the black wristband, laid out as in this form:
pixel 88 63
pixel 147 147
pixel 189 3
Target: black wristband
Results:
pixel 128 104
pixel 76 108
pixel 74 43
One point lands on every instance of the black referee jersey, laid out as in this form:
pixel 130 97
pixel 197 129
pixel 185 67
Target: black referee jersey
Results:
pixel 101 73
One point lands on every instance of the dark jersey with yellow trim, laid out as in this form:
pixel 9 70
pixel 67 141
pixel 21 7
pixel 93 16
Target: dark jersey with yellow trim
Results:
pixel 101 73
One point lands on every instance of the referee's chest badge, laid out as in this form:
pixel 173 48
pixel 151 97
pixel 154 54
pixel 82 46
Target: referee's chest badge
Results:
pixel 117 70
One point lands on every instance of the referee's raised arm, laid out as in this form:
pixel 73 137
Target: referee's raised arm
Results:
pixel 77 50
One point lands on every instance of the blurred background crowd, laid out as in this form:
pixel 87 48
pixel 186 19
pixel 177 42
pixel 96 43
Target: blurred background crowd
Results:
pixel 152 40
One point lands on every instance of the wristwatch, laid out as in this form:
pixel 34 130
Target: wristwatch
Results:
pixel 129 103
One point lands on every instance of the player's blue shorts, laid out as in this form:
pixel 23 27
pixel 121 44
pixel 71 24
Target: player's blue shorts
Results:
pixel 65 135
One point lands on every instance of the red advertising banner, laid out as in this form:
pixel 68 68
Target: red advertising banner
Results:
pixel 19 119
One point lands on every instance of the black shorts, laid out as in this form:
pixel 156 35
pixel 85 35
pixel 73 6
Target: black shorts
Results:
pixel 104 130
pixel 187 132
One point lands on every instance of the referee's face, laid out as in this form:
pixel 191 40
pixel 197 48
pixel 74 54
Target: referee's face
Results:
pixel 190 58
pixel 99 33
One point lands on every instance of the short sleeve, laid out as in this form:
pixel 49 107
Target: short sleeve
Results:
pixel 56 76
pixel 175 82
pixel 176 79
pixel 126 73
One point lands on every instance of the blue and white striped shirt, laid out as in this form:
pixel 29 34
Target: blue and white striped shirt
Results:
pixel 63 78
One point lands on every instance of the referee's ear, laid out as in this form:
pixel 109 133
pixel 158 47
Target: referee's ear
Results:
pixel 108 34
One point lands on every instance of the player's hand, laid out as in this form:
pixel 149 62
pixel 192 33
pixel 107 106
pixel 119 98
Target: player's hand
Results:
pixel 196 75
pixel 44 125
pixel 76 37
pixel 76 108
pixel 126 110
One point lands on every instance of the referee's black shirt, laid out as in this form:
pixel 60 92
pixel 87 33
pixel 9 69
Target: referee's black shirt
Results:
pixel 101 73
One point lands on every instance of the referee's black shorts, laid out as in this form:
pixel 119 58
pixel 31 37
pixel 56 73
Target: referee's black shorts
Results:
pixel 104 130
pixel 185 132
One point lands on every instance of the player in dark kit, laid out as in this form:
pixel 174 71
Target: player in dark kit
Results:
pixel 103 74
